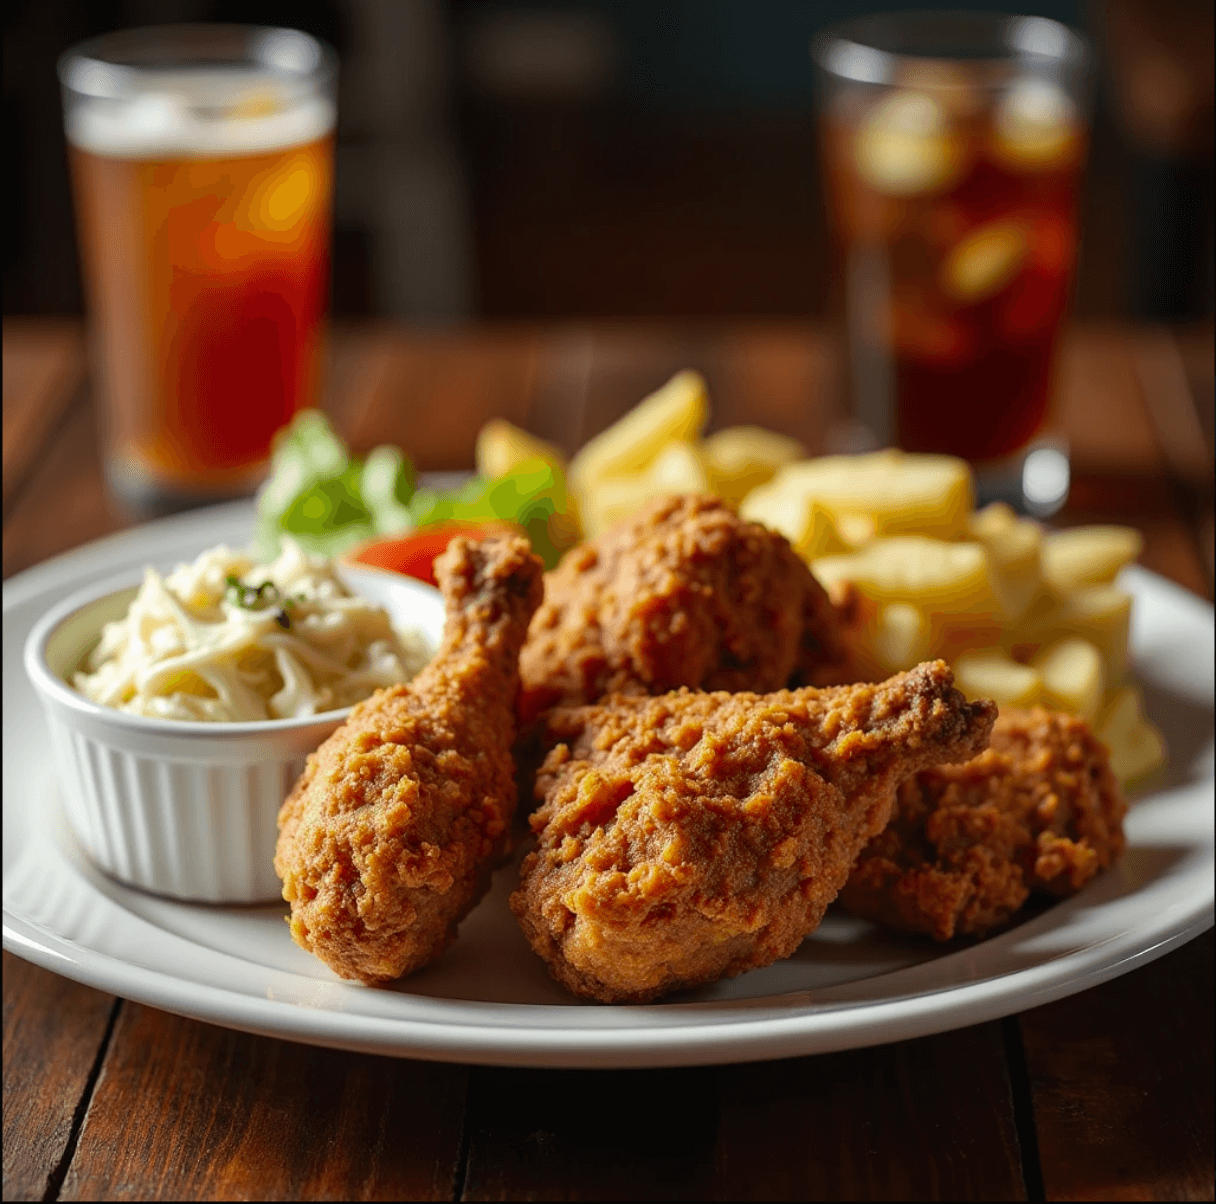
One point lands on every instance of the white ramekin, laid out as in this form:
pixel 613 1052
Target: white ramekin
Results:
pixel 185 809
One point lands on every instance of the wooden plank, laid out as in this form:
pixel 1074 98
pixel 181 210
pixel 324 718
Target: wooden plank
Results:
pixel 777 375
pixel 430 391
pixel 1099 405
pixel 1121 1078
pixel 53 1031
pixel 590 1135
pixel 630 360
pixel 66 502
pixel 925 1119
pixel 1147 503
pixel 187 1111
pixel 44 364
pixel 1171 406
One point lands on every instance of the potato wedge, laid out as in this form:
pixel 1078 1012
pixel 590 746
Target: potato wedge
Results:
pixel 805 523
pixel 501 446
pixel 994 520
pixel 901 637
pixel 740 458
pixel 1014 550
pixel 1100 614
pixel 856 530
pixel 990 673
pixel 1136 747
pixel 1088 555
pixel 677 469
pixel 677 411
pixel 926 495
pixel 949 582
pixel 1072 676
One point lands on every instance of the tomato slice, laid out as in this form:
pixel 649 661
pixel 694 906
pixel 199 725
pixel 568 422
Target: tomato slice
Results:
pixel 414 554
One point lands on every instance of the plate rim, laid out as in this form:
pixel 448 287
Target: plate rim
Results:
pixel 731 1038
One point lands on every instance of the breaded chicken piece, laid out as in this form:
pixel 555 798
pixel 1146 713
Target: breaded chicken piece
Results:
pixel 1040 810
pixel 683 593
pixel 690 837
pixel 389 836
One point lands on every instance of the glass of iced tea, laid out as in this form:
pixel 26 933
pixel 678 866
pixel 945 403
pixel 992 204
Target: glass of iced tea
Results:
pixel 202 168
pixel 952 146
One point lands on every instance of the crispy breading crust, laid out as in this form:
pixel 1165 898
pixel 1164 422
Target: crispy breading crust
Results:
pixel 683 593
pixel 388 838
pixel 1039 811
pixel 689 837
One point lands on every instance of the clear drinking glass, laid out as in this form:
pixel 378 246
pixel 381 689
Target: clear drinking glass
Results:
pixel 953 146
pixel 202 169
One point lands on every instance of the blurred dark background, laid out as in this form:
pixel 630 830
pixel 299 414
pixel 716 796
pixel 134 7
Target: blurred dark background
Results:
pixel 618 157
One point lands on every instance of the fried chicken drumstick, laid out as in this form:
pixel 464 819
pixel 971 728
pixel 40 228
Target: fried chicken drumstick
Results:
pixel 1040 810
pixel 389 836
pixel 689 837
pixel 683 593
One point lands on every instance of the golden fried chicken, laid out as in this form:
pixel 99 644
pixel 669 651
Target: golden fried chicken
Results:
pixel 389 836
pixel 683 593
pixel 1038 811
pixel 689 837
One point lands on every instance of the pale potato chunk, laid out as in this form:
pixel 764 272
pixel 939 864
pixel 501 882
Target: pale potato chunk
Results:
pixel 995 519
pixel 676 469
pixel 949 582
pixel 901 637
pixel 856 530
pixel 1100 614
pixel 1088 555
pixel 610 500
pixel 677 411
pixel 1072 676
pixel 990 673
pixel 502 446
pixel 805 523
pixel 1136 747
pixel 913 568
pixel 927 495
pixel 740 458
pixel 1014 546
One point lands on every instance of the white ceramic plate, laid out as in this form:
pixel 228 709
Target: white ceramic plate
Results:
pixel 490 1000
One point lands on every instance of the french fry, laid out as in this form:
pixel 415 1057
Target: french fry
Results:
pixel 990 673
pixel 1014 550
pixel 949 582
pixel 741 458
pixel 1088 556
pixel 677 469
pixel 901 637
pixel 900 493
pixel 1136 747
pixel 1072 676
pixel 677 411
pixel 856 530
pixel 993 521
pixel 501 446
pixel 1100 614
pixel 805 523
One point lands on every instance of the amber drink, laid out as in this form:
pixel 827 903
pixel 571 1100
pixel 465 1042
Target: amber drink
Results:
pixel 202 167
pixel 953 147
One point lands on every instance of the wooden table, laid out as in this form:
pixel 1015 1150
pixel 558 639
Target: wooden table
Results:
pixel 1104 1095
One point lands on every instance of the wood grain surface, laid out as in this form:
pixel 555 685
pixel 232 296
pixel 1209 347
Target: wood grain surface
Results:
pixel 1103 1095
pixel 187 1111
pixel 54 1032
pixel 1122 1084
pixel 931 1119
